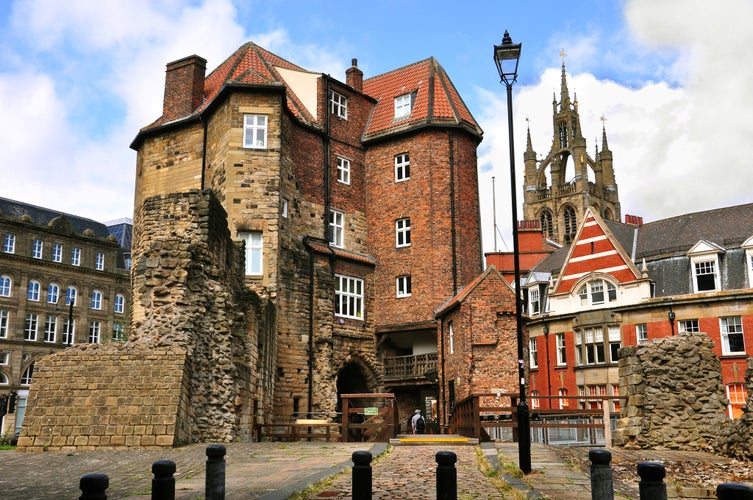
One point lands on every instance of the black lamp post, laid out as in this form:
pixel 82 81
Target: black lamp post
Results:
pixel 671 318
pixel 506 57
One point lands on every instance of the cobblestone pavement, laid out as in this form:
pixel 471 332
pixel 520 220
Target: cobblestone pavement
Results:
pixel 410 472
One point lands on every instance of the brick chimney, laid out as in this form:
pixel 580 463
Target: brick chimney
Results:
pixel 184 87
pixel 354 76
pixel 635 220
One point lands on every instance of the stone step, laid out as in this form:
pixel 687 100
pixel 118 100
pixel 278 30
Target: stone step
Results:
pixel 429 439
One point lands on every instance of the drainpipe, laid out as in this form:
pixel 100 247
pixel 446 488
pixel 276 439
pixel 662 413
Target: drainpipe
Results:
pixel 441 387
pixel 453 215
pixel 203 154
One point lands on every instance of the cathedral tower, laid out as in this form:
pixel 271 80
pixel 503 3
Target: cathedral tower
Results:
pixel 560 187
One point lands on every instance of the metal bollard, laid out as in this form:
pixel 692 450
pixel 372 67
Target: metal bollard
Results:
pixel 651 485
pixel 602 487
pixel 361 477
pixel 215 481
pixel 93 487
pixel 734 491
pixel 163 482
pixel 447 475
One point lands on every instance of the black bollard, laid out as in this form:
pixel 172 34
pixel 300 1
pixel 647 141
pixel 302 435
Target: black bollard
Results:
pixel 361 477
pixel 215 482
pixel 93 487
pixel 447 475
pixel 733 491
pixel 651 485
pixel 163 482
pixel 602 487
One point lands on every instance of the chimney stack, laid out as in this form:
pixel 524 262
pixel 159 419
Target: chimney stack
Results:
pixel 184 87
pixel 635 220
pixel 354 76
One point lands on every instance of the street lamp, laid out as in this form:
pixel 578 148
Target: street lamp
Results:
pixel 506 57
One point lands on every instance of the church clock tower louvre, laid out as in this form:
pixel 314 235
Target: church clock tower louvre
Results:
pixel 559 187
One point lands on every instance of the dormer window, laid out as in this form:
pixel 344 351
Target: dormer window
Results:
pixel 403 106
pixel 748 247
pixel 597 292
pixel 338 105
pixel 704 265
pixel 534 302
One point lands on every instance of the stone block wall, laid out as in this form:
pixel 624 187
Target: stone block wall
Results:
pixel 676 398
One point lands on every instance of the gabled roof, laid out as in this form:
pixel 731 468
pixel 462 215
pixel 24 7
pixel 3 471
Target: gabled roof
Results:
pixel 435 100
pixel 490 272
pixel 595 249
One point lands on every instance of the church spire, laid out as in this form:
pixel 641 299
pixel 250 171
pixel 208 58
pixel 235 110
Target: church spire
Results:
pixel 564 94
pixel 604 145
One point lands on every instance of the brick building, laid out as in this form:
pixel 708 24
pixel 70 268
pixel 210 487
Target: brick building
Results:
pixel 358 205
pixel 62 282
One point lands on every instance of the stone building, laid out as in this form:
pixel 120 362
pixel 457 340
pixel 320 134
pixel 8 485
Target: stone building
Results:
pixel 358 205
pixel 63 282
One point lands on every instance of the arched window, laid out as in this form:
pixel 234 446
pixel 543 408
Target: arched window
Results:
pixel 119 303
pixel 5 285
pixel 53 292
pixel 570 224
pixel 70 295
pixel 546 223
pixel 26 375
pixel 597 291
pixel 96 302
pixel 34 287
pixel 3 379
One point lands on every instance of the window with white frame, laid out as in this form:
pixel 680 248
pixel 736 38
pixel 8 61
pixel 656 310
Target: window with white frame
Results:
pixel 26 376
pixel 563 401
pixel 736 394
pixel 403 105
pixel 402 232
pixel 53 293
pixel 348 297
pixel 5 285
pixel 71 295
pixel 75 256
pixel 615 402
pixel 34 291
pixel 4 358
pixel 535 401
pixel 615 342
pixel 641 333
pixel 343 170
pixel 119 306
pixel 284 208
pixel 705 275
pixel 37 248
pixel 403 286
pixel 338 105
pixel 452 337
pixel 3 379
pixel 69 331
pixel 4 320
pixel 99 261
pixel 533 353
pixel 402 167
pixel 533 300
pixel 255 131
pixel 50 328
pixel 118 332
pixel 688 326
pixel 561 351
pixel 589 346
pixel 731 328
pixel 254 252
pixel 96 300
pixel 336 228
pixel 57 252
pixel 9 243
pixel 596 291
pixel 95 330
pixel 31 326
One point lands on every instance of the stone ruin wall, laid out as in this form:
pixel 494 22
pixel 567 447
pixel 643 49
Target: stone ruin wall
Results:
pixel 676 398
pixel 184 375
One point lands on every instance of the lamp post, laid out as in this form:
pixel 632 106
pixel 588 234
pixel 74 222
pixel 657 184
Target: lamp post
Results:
pixel 671 318
pixel 506 57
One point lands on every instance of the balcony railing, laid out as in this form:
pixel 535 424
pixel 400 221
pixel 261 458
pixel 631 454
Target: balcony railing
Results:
pixel 409 367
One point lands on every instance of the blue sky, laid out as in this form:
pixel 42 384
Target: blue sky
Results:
pixel 79 78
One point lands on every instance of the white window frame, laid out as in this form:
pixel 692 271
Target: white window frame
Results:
pixel 95 332
pixel 118 332
pixel 688 325
pixel 4 359
pixel 563 401
pixel 99 261
pixel 26 377
pixel 349 297
pixel 255 131
pixel 561 349
pixel 75 256
pixel 6 285
pixel 451 337
pixel 403 286
pixel 9 243
pixel 69 330
pixel 705 264
pixel 37 248
pixel 343 170
pixel 614 339
pixel 597 292
pixel 534 304
pixel 338 104
pixel 533 353
pixel 31 327
pixel 71 295
pixel 119 305
pixel 402 232
pixel 403 106
pixel 731 325
pixel 402 167
pixel 336 228
pixel 254 252
pixel 284 209
pixel 34 291
pixel 53 293
pixel 50 329
pixel 4 323
pixel 641 333
pixel 736 398
pixel 57 252
pixel 96 300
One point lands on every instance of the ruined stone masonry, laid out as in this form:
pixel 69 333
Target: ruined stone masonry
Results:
pixel 184 375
